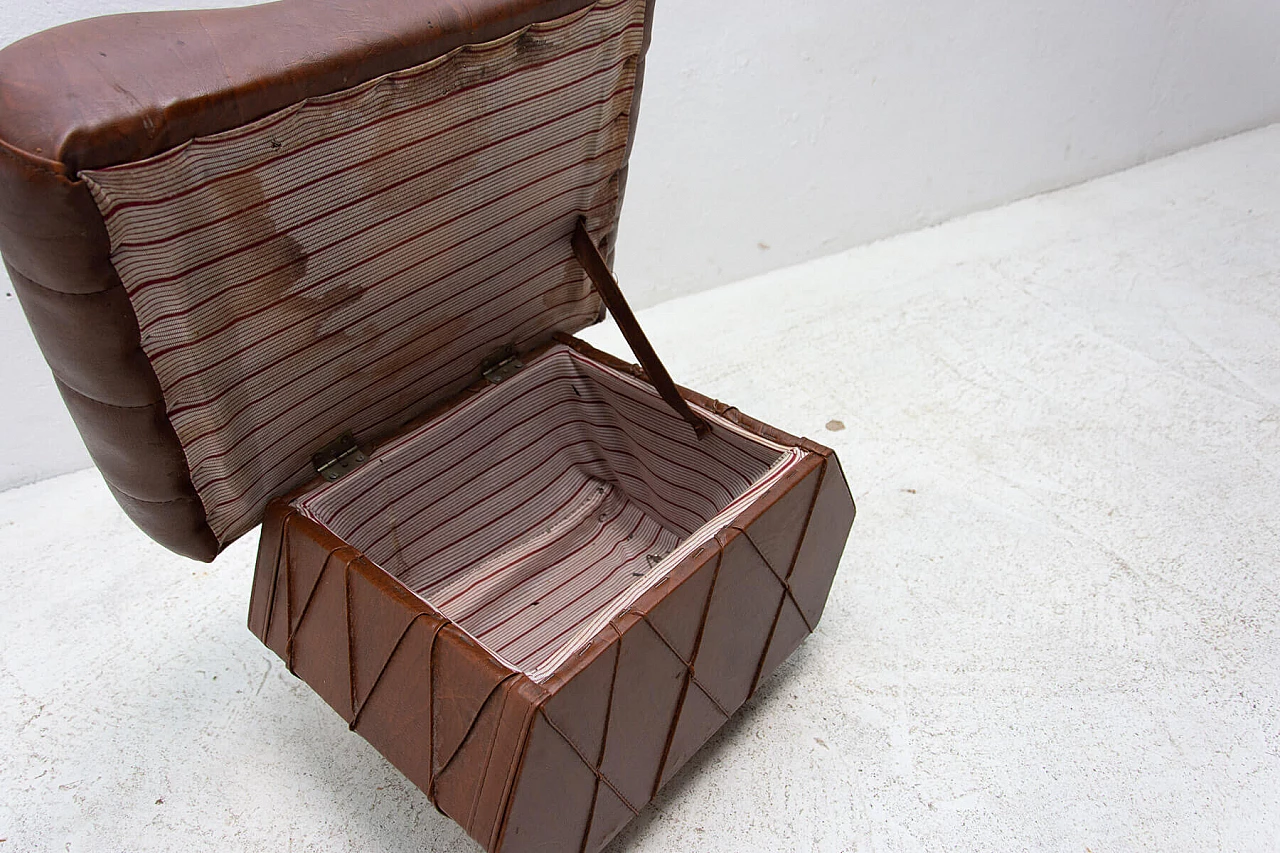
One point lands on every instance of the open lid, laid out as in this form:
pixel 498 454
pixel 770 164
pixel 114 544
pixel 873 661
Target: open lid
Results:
pixel 317 221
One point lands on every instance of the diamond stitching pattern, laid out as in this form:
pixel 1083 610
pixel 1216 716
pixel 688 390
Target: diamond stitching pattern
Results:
pixel 730 609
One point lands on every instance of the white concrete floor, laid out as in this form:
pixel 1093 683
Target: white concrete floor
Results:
pixel 1055 627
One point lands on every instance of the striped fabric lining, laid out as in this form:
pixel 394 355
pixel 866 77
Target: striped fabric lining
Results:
pixel 349 262
pixel 540 504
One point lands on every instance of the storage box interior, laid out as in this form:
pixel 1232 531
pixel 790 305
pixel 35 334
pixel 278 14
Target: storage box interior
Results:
pixel 541 507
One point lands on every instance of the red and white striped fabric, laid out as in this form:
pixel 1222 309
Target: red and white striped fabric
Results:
pixel 545 503
pixel 349 262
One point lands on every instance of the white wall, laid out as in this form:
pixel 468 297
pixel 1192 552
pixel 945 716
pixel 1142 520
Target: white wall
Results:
pixel 775 133
pixel 809 127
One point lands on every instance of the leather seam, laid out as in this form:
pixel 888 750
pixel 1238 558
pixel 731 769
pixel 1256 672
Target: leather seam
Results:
pixel 34 282
pixel 435 780
pixel 689 680
pixel 516 770
pixel 470 825
pixel 151 405
pixel 29 160
pixel 351 640
pixel 808 518
pixel 31 281
pixel 786 585
pixel 688 665
pixel 595 771
pixel 294 626
pixel 604 739
pixel 153 503
pixel 282 557
pixel 768 643
pixel 394 650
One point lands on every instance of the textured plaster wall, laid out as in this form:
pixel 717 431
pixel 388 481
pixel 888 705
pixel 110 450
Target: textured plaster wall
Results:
pixel 776 133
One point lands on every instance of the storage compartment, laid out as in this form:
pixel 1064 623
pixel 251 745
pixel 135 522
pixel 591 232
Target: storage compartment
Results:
pixel 537 598
pixel 538 509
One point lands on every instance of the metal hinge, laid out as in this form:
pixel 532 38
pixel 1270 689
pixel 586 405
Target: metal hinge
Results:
pixel 338 458
pixel 501 368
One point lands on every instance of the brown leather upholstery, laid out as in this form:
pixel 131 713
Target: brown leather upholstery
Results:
pixel 113 90
pixel 57 254
pixel 560 765
pixel 565 764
